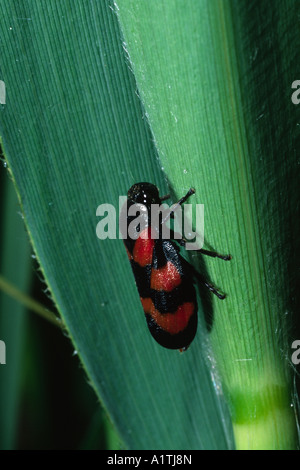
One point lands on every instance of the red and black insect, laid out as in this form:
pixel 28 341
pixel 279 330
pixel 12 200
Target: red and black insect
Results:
pixel 165 280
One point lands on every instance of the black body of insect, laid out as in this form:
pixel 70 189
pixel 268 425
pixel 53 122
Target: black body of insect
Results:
pixel 165 280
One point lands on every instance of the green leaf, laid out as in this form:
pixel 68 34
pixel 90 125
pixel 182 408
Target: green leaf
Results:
pixel 75 136
pixel 215 80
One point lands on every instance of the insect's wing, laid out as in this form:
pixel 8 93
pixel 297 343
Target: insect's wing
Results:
pixel 171 307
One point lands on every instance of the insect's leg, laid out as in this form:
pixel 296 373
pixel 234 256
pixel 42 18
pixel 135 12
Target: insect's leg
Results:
pixel 214 254
pixel 183 199
pixel 167 196
pixel 178 204
pixel 209 286
pixel 202 279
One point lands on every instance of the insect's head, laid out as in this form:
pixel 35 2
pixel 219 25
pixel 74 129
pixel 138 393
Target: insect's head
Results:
pixel 144 193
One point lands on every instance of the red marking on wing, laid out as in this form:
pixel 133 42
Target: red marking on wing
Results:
pixel 173 323
pixel 165 278
pixel 143 248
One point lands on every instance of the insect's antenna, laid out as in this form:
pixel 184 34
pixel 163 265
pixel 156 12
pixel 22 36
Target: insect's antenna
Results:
pixel 178 204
